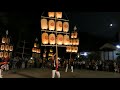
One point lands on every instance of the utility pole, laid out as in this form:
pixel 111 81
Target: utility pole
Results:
pixel 23 49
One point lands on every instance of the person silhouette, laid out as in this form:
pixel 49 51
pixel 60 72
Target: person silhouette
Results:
pixel 55 68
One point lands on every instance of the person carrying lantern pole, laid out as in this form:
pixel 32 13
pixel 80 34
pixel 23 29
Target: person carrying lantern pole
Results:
pixel 55 67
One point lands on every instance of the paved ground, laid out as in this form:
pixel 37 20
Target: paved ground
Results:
pixel 46 73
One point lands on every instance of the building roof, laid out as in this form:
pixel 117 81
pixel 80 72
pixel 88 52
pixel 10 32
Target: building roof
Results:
pixel 108 46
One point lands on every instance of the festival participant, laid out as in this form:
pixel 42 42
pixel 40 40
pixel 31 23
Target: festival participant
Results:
pixel 55 68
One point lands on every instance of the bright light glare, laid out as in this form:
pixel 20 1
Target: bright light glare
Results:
pixel 85 54
pixel 118 46
pixel 111 25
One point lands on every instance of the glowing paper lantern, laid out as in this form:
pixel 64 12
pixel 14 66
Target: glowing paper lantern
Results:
pixel 7 40
pixel 52 38
pixel 59 39
pixel 75 35
pixel 11 48
pixel 77 41
pixel 51 14
pixel 6 54
pixel 44 24
pixel 1 54
pixel 66 40
pixel 65 26
pixel 33 49
pixel 68 49
pixel 72 49
pixel 7 47
pixel 35 44
pixel 70 42
pixel 58 14
pixel 75 49
pixel 51 25
pixel 45 38
pixel 51 50
pixel 2 47
pixel 72 35
pixel 37 50
pixel 3 40
pixel 59 26
pixel 44 54
pixel 73 42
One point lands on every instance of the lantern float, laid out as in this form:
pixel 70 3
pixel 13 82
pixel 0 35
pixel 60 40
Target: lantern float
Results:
pixel 45 38
pixel 44 24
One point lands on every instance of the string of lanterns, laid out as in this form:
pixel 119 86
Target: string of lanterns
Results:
pixel 36 50
pixel 74 42
pixel 51 25
pixel 6 48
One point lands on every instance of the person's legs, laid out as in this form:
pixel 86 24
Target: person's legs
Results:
pixel 53 73
pixel 58 74
pixel 71 68
pixel 66 68
pixel 0 73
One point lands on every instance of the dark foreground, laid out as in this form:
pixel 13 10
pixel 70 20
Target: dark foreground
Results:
pixel 46 73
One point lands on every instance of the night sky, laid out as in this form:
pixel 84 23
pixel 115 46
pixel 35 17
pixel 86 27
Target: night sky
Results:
pixel 93 27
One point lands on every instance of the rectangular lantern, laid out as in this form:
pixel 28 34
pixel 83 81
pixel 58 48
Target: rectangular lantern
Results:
pixel 58 14
pixel 51 25
pixel 66 40
pixel 52 39
pixel 2 47
pixel 35 44
pixel 3 40
pixel 6 54
pixel 59 39
pixel 11 48
pixel 65 26
pixel 45 38
pixel 59 26
pixel 44 24
pixel 1 54
pixel 51 14
pixel 6 47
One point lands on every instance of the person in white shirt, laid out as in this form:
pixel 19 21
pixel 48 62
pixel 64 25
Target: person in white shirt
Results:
pixel 55 68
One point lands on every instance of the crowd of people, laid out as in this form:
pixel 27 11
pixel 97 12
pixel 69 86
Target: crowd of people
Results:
pixel 65 64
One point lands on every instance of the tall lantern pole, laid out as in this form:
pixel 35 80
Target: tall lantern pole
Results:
pixel 54 19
